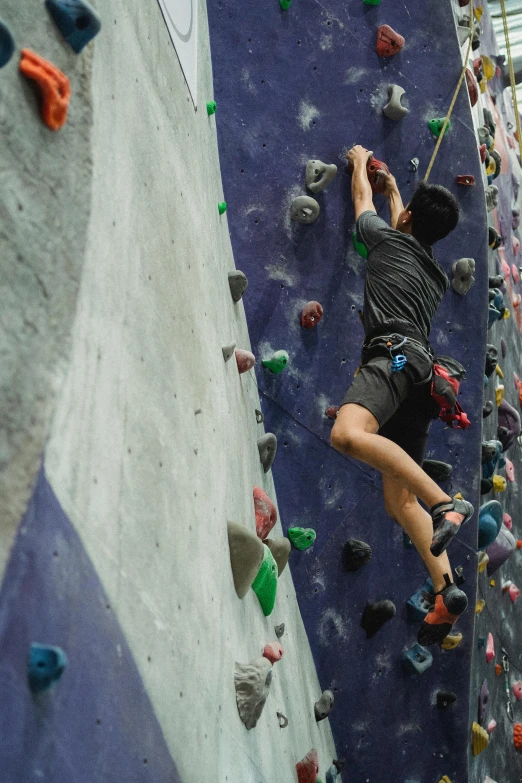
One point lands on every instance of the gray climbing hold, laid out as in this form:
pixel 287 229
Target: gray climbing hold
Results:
pixel 463 33
pixel 304 209
pixel 414 164
pixel 259 416
pixel 279 630
pixel 394 109
pixel 280 548
pixel 463 272
pixel 318 175
pixel 283 720
pixel 322 708
pixel 483 134
pixel 246 556
pixel 267 445
pixel 335 770
pixel 491 197
pixel 252 682
pixel 228 351
pixel 238 284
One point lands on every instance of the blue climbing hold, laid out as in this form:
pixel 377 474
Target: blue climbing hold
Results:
pixel 493 316
pixel 420 603
pixel 77 21
pixel 45 666
pixel 417 659
pixel 7 44
pixel 490 522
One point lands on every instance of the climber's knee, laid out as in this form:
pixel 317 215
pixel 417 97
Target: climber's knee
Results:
pixel 352 423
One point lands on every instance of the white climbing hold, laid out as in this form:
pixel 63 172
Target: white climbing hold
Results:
pixel 394 109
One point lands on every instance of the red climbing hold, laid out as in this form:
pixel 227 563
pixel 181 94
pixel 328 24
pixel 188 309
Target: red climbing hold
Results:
pixel 308 768
pixel 311 315
pixel 477 66
pixel 273 651
pixel 266 514
pixel 463 3
pixel 483 150
pixel 245 360
pixel 465 179
pixel 375 170
pixel 332 411
pixel 472 87
pixel 388 41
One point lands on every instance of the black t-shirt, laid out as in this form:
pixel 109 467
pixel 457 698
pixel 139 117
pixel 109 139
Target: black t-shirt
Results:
pixel 404 284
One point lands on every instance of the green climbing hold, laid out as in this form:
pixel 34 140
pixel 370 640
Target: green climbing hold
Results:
pixel 211 107
pixel 285 4
pixel 372 2
pixel 222 207
pixel 301 537
pixel 437 124
pixel 265 583
pixel 277 363
pixel 359 246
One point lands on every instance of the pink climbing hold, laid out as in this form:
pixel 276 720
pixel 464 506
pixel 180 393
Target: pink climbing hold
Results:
pixel 308 769
pixel 516 299
pixel 465 179
pixel 311 315
pixel 492 725
pixel 514 269
pixel 510 470
pixel 516 245
pixel 506 271
pixel 332 411
pixel 388 41
pixel 490 648
pixel 245 360
pixel 273 651
pixel 508 522
pixel 483 149
pixel 517 690
pixel 514 592
pixel 516 380
pixel 511 142
pixel 266 514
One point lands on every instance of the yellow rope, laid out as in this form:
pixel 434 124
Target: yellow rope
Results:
pixel 511 75
pixel 452 104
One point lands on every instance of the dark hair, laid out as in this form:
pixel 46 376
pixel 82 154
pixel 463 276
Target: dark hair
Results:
pixel 434 213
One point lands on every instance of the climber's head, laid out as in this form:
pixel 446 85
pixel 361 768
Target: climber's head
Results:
pixel 431 214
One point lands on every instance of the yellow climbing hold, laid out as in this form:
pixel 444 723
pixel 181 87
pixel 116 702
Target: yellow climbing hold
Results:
pixel 445 779
pixel 499 394
pixel 479 606
pixel 499 371
pixel 499 484
pixel 482 87
pixel 492 583
pixel 458 496
pixel 507 313
pixel 488 67
pixel 483 560
pixel 451 641
pixel 480 739
pixel 477 12
pixel 492 167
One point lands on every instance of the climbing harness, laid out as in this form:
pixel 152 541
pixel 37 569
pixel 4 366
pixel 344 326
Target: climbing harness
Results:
pixel 399 360
pixel 509 704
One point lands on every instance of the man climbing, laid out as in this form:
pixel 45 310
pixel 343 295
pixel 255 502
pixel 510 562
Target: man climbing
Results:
pixel 386 413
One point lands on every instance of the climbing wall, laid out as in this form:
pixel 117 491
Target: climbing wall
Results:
pixel 498 615
pixel 304 83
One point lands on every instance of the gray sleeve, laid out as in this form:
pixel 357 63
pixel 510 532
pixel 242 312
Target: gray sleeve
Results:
pixel 372 230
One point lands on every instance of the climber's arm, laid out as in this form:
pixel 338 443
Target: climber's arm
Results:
pixel 391 191
pixel 361 190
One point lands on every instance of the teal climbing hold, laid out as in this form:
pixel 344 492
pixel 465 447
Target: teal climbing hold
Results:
pixel 302 538
pixel 7 44
pixel 222 207
pixel 437 124
pixel 45 666
pixel 277 362
pixel 77 21
pixel 265 583
pixel 359 246
pixel 417 659
pixel 211 108
pixel 420 602
pixel 490 522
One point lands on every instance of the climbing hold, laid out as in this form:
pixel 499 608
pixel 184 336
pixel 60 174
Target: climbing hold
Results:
pixel 302 538
pixel 437 124
pixel 417 659
pixel 517 736
pixel 333 772
pixel 355 554
pixel 508 520
pixel 394 109
pixel 273 652
pixel 459 571
pixel 211 108
pixel 497 161
pixel 437 470
pixel 486 485
pixel 228 350
pixel 7 44
pixel 490 648
pixel 487 409
pixel 45 666
pixel 480 739
pixel 479 605
pixel 266 513
pixel 515 274
pixel 483 702
pixel 246 556
pixel 222 207
pixel 277 362
pixel 516 245
pixel 252 682
pixel 516 380
pixel 265 583
pixel 359 246
pixel 280 548
pixel 492 725
pixel 308 769
pixel 499 394
pixel 311 315
pixel 510 470
pixel 463 32
pixel 506 585
pixel 304 209
pixel 494 241
pixel 238 284
pixel 483 559
pixel 318 175
pixel 413 165
pixel 451 641
pixel 483 153
pixel 492 583
pixel 388 41
pixel 509 418
pixel 279 630
pixel 465 179
pixel 489 122
pixel 285 4
pixel 375 615
pixel 332 411
pixel 245 360
pixel 77 21
pixel 267 446
pixel 490 521
pixel 463 272
pixel 370 2
pixel 491 197
pixel 514 592
pixel 498 669
pixel 481 641
pixel 418 606
pixel 472 88
pixel 376 171
pixel 515 217
pixel 323 706
pixel 491 359
pixel 517 690
pixel 503 547
pixel 445 698
pixel 54 86
pixel 283 720
pixel 477 68
pixel 406 540
pixel 503 347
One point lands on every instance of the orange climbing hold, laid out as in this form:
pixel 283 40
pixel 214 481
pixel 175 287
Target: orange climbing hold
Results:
pixel 498 669
pixel 517 736
pixel 308 768
pixel 54 85
pixel 388 41
pixel 266 514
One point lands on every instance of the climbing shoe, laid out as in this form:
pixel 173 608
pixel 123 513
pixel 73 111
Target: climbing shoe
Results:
pixel 447 520
pixel 448 605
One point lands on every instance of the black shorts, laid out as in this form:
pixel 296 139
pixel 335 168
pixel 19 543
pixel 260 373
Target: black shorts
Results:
pixel 400 401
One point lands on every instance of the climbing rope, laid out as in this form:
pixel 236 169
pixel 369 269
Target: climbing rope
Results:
pixel 455 94
pixel 511 75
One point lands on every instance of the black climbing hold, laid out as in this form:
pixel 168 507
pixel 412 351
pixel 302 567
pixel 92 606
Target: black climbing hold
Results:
pixel 7 44
pixel 487 409
pixel 486 485
pixel 259 417
pixel 491 359
pixel 496 282
pixel 283 720
pixel 483 703
pixel 459 579
pixel 445 698
pixel 238 284
pixel 437 470
pixel 323 706
pixel 489 451
pixel 77 21
pixel 375 615
pixel 356 554
pixel 267 445
pixel 279 630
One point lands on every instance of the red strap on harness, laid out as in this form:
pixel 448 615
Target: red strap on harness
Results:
pixel 457 419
